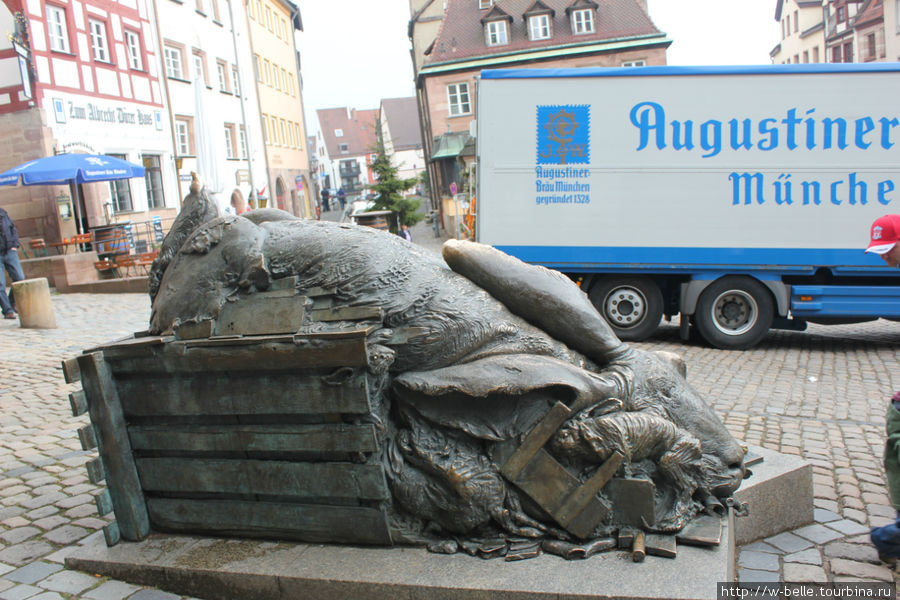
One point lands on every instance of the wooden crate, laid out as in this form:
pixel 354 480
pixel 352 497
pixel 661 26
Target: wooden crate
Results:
pixel 259 436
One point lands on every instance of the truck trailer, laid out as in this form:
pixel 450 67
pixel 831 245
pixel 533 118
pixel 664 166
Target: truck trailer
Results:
pixel 738 198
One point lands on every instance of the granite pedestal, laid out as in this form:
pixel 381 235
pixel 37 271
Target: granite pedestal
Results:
pixel 227 569
pixel 779 495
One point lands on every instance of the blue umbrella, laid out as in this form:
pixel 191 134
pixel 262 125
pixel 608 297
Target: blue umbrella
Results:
pixel 71 168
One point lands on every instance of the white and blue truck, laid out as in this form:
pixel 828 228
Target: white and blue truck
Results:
pixel 739 198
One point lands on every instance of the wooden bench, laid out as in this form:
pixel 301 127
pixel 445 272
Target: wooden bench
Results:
pixel 265 435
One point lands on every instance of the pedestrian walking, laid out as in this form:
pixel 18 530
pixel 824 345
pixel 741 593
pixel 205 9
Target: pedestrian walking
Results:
pixel 404 233
pixel 883 237
pixel 325 196
pixel 9 256
pixel 342 198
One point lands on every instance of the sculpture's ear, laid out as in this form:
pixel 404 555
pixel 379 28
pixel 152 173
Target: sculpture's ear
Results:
pixel 673 360
pixel 197 209
pixel 498 397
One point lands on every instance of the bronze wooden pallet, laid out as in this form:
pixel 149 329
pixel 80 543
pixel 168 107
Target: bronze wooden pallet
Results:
pixel 259 436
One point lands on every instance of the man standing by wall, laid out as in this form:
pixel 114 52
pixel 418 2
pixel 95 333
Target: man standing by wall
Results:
pixel 9 261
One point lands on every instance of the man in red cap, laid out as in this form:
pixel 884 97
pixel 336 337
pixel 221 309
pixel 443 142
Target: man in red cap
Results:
pixel 883 237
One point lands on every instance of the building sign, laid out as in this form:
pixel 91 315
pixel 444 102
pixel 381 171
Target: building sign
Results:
pixel 105 114
pixel 24 71
pixel 299 181
pixel 73 147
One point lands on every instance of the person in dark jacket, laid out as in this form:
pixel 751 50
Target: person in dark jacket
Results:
pixel 883 237
pixel 9 257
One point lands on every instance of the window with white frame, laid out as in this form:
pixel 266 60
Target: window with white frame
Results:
pixel 483 4
pixel 183 136
pixel 236 81
pixel 242 136
pixel 99 47
pixel 57 28
pixel 120 191
pixel 153 180
pixel 174 66
pixel 338 133
pixel 634 63
pixel 539 27
pixel 133 43
pixel 495 33
pixel 199 67
pixel 582 21
pixel 222 72
pixel 229 141
pixel 458 99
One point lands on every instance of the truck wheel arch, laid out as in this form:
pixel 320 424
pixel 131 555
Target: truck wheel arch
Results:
pixel 690 293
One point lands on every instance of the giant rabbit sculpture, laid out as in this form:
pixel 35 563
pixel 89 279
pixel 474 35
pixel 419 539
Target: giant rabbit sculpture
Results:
pixel 492 345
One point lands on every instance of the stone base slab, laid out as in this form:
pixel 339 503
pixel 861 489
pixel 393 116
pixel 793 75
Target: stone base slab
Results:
pixel 226 569
pixel 779 495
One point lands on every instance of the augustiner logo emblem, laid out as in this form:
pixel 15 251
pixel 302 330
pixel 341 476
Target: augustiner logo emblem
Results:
pixel 563 134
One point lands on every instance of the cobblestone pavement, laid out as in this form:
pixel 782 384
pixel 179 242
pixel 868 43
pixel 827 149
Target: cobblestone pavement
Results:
pixel 821 395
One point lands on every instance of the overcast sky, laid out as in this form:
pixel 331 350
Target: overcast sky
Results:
pixel 356 52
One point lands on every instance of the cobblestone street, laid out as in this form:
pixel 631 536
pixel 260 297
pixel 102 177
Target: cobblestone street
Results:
pixel 820 394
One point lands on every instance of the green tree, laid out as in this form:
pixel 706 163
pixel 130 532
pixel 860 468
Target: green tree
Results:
pixel 389 188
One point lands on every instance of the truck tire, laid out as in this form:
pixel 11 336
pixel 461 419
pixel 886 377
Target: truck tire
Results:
pixel 632 306
pixel 734 313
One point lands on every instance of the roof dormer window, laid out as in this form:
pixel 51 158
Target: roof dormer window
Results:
pixel 538 19
pixel 539 27
pixel 581 16
pixel 496 26
pixel 582 21
pixel 496 33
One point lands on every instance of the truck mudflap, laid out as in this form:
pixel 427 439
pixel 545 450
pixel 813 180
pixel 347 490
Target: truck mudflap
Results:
pixel 811 301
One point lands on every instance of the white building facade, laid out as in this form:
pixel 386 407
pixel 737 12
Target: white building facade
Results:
pixel 212 101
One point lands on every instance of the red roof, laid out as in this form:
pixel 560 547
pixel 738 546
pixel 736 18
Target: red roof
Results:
pixel 462 33
pixel 871 11
pixel 357 129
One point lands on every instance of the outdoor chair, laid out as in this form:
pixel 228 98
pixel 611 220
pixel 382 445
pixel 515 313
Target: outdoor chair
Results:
pixel 107 266
pixel 145 260
pixel 38 246
pixel 126 262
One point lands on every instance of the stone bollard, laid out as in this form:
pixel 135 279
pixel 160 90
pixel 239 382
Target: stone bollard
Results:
pixel 33 303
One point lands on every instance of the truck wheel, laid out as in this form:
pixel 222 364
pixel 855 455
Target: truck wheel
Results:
pixel 633 306
pixel 734 313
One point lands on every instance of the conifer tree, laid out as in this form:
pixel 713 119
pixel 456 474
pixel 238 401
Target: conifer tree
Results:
pixel 389 188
